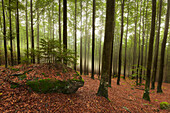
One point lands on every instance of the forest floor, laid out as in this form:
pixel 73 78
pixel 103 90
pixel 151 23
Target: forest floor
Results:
pixel 125 97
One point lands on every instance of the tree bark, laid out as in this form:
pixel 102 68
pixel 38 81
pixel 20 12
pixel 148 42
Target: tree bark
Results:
pixel 10 28
pixel 75 45
pixel 126 41
pixel 4 35
pixel 161 68
pixel 103 88
pixel 18 40
pixel 81 41
pixel 120 49
pixel 149 63
pixel 27 30
pixel 93 37
pixel 156 48
pixel 65 28
pixel 38 56
pixel 32 33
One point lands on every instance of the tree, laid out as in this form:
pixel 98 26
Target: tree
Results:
pixel 120 49
pixel 38 57
pixel 93 38
pixel 4 35
pixel 59 22
pixel 27 29
pixel 126 40
pixel 32 33
pixel 151 41
pixel 75 33
pixel 135 43
pixel 103 88
pixel 161 68
pixel 18 39
pixel 65 27
pixel 156 48
pixel 81 41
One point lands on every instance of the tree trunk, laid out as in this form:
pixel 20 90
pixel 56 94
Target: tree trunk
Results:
pixel 149 63
pixel 65 28
pixel 126 41
pixel 10 28
pixel 93 37
pixel 27 30
pixel 75 45
pixel 81 42
pixel 103 88
pixel 161 68
pixel 32 33
pixel 137 77
pixel 86 37
pixel 156 48
pixel 4 35
pixel 59 22
pixel 120 49
pixel 38 57
pixel 135 43
pixel 18 40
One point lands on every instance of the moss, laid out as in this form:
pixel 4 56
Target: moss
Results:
pixel 15 69
pixel 13 86
pixel 165 105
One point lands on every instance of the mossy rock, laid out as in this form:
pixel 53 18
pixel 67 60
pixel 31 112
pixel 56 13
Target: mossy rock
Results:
pixel 165 105
pixel 54 85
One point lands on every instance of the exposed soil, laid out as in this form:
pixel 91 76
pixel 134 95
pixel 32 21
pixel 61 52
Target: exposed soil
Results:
pixel 125 97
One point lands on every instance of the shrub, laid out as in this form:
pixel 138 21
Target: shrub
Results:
pixel 165 105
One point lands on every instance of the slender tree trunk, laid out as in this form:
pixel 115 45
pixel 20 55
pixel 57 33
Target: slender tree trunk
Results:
pixel 27 30
pixel 149 63
pixel 156 48
pixel 161 68
pixel 18 40
pixel 65 28
pixel 59 22
pixel 86 37
pixel 103 88
pixel 120 49
pixel 111 58
pixel 75 45
pixel 126 41
pixel 10 27
pixel 81 42
pixel 38 57
pixel 93 37
pixel 135 43
pixel 137 77
pixel 32 33
pixel 4 35
pixel 143 41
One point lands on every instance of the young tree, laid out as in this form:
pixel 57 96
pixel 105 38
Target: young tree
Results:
pixel 81 41
pixel 93 38
pixel 10 29
pixel 156 48
pixel 149 63
pixel 27 29
pixel 126 40
pixel 32 33
pixel 65 27
pixel 120 49
pixel 4 35
pixel 135 43
pixel 103 88
pixel 18 39
pixel 161 68
pixel 75 45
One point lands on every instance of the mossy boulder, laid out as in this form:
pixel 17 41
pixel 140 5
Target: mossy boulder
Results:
pixel 165 105
pixel 53 85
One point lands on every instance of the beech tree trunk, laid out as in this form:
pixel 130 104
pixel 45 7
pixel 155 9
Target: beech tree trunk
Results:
pixel 65 28
pixel 156 48
pixel 161 68
pixel 10 29
pixel 103 88
pixel 18 40
pixel 149 63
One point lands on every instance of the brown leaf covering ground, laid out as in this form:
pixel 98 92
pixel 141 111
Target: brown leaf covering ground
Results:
pixel 123 98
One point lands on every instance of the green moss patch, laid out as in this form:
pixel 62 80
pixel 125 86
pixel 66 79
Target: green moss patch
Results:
pixel 53 85
pixel 165 105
